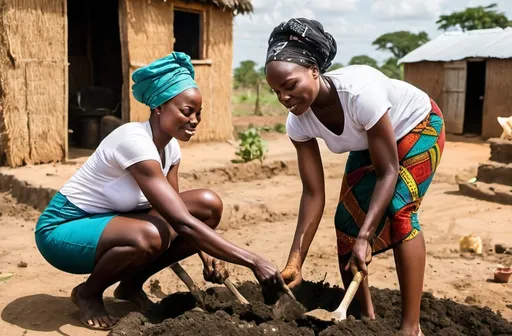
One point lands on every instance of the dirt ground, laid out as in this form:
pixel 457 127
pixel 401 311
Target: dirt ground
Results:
pixel 221 316
pixel 260 214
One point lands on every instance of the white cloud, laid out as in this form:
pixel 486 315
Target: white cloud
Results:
pixel 355 24
pixel 285 6
pixel 340 28
pixel 269 13
pixel 335 6
pixel 408 9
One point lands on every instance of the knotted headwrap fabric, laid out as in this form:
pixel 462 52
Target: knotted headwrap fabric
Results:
pixel 302 41
pixel 163 79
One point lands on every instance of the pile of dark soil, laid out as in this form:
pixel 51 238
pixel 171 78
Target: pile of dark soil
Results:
pixel 178 315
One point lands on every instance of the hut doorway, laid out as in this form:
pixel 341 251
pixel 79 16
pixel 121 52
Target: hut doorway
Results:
pixel 95 69
pixel 464 89
pixel 475 93
pixel 187 33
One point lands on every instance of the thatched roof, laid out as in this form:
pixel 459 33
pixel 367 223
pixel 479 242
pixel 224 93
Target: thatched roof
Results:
pixel 238 6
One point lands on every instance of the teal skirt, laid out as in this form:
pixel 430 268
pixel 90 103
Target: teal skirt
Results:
pixel 67 237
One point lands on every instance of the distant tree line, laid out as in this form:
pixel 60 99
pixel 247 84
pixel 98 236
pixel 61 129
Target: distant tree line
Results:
pixel 398 44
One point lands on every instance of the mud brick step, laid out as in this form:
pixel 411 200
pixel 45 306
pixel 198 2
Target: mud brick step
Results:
pixel 496 193
pixel 495 172
pixel 501 150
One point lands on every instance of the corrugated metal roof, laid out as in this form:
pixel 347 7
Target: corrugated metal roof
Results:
pixel 454 46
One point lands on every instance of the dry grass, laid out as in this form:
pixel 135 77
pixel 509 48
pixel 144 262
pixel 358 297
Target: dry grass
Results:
pixel 244 101
pixel 141 20
pixel 240 6
pixel 217 123
pixel 33 81
pixel 148 30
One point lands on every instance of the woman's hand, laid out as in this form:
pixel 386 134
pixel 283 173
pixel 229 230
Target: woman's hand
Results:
pixel 361 256
pixel 266 274
pixel 214 270
pixel 292 275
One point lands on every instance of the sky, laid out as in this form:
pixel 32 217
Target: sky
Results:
pixel 355 24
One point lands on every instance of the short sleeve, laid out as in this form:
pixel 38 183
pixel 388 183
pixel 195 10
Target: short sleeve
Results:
pixel 174 151
pixel 370 104
pixel 295 130
pixel 135 148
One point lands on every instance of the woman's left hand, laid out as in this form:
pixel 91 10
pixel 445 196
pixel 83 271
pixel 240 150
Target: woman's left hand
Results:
pixel 214 271
pixel 361 256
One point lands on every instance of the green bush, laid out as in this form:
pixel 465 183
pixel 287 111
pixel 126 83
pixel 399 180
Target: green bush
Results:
pixel 280 128
pixel 251 147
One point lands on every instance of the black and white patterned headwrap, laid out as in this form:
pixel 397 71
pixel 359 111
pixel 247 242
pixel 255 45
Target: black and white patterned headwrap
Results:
pixel 302 41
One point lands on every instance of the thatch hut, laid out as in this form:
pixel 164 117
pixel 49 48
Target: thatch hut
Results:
pixel 52 50
pixel 469 74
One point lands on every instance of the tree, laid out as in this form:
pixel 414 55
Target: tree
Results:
pixel 363 60
pixel 335 66
pixel 261 72
pixel 474 18
pixel 391 69
pixel 400 43
pixel 246 75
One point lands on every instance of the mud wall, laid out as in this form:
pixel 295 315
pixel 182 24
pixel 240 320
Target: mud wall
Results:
pixel 498 95
pixel 147 34
pixel 427 76
pixel 33 81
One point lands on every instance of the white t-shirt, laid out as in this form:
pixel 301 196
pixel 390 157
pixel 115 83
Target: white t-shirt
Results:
pixel 365 94
pixel 103 184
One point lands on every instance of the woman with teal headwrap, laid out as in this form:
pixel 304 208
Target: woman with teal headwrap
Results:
pixel 122 217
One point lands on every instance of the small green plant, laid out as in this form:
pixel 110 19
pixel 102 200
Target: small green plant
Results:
pixel 251 147
pixel 280 128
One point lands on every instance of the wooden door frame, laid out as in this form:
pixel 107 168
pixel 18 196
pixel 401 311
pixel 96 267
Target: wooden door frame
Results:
pixel 66 82
pixel 451 125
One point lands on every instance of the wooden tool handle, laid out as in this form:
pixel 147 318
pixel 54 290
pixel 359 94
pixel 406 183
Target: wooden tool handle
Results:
pixel 235 291
pixel 183 275
pixel 283 285
pixel 351 290
pixel 5 276
pixel 191 285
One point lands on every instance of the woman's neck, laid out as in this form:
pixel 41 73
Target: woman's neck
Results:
pixel 160 138
pixel 325 96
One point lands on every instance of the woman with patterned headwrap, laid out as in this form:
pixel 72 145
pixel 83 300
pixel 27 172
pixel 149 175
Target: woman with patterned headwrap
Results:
pixel 122 217
pixel 395 136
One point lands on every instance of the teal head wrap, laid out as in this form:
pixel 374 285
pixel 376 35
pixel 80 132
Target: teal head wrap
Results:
pixel 163 79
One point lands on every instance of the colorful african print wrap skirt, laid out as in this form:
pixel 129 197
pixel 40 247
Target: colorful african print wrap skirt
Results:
pixel 419 154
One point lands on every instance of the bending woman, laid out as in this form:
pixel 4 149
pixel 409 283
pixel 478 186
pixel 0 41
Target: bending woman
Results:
pixel 122 217
pixel 395 135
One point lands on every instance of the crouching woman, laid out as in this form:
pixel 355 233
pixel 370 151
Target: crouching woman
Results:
pixel 121 216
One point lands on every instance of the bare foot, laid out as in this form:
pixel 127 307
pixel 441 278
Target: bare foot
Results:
pixel 411 333
pixel 92 311
pixel 369 313
pixel 137 296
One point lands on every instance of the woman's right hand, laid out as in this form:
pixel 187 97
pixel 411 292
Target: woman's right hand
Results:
pixel 292 275
pixel 265 272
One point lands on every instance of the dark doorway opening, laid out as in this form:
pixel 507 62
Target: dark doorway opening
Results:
pixel 187 32
pixel 95 70
pixel 475 93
